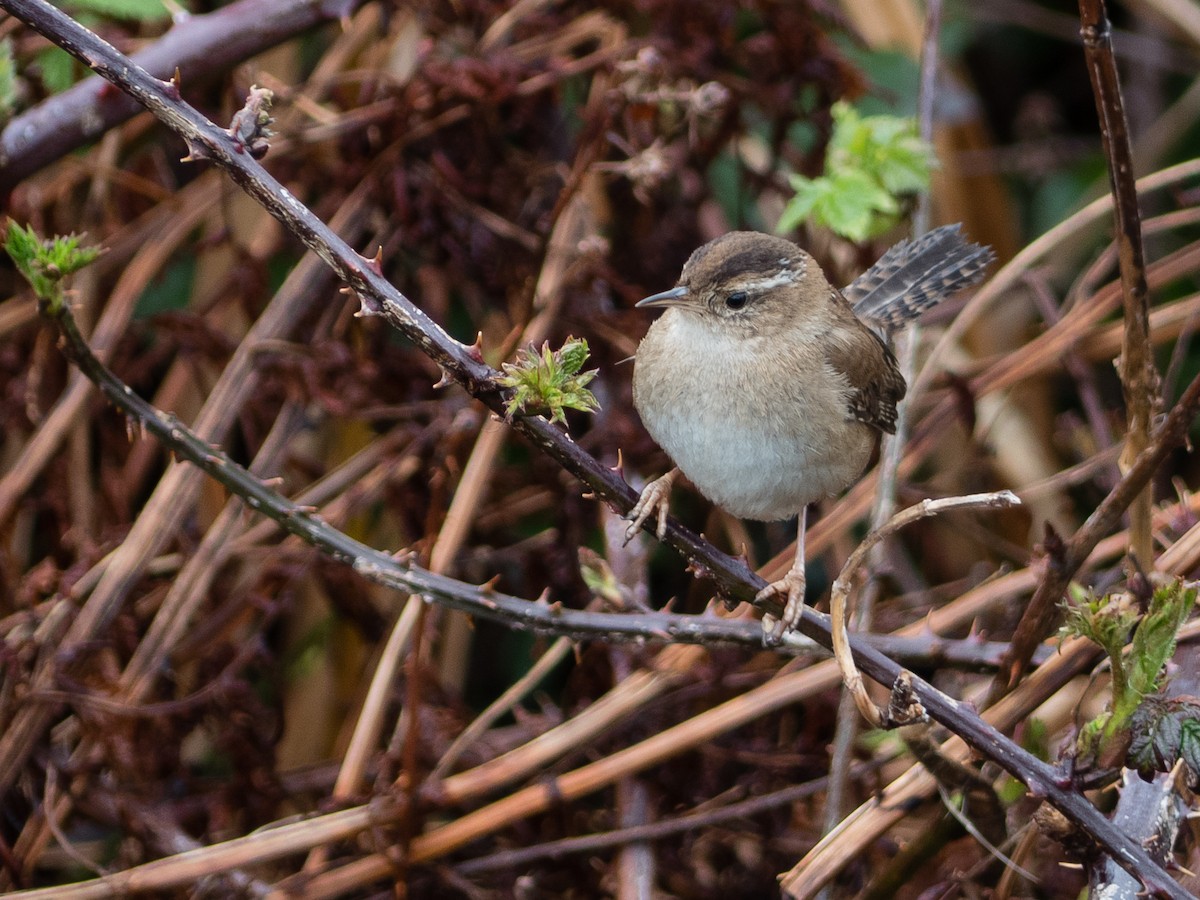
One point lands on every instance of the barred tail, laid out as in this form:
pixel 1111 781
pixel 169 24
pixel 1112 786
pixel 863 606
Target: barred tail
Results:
pixel 915 275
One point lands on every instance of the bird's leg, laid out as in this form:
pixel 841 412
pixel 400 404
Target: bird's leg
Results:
pixel 791 588
pixel 655 496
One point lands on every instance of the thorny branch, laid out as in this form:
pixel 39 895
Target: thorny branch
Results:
pixel 400 573
pixel 465 366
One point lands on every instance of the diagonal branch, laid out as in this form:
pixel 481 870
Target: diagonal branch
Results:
pixel 402 574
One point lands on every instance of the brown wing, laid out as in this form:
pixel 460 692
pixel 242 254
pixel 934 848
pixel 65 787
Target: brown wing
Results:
pixel 864 360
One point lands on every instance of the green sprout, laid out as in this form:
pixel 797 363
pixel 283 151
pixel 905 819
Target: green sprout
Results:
pixel 45 263
pixel 8 81
pixel 1138 647
pixel 550 381
pixel 871 165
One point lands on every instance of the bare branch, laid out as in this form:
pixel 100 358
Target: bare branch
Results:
pixel 840 593
pixel 199 46
pixel 1139 378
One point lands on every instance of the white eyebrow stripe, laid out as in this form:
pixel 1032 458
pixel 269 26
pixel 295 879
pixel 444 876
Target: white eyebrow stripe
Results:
pixel 782 277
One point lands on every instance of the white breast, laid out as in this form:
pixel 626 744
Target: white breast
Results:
pixel 760 428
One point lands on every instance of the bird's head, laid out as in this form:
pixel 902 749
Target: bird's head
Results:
pixel 746 281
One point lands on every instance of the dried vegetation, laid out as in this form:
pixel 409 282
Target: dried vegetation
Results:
pixel 528 172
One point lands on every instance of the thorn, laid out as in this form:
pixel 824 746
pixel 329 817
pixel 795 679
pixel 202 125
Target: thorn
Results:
pixel 373 263
pixel 368 305
pixel 475 351
pixel 196 153
pixel 489 586
pixel 669 606
pixel 444 381
pixel 619 468
pixel 588 495
pixel 175 85
pixel 543 599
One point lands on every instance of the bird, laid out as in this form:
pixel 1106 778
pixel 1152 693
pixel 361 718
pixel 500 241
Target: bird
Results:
pixel 769 388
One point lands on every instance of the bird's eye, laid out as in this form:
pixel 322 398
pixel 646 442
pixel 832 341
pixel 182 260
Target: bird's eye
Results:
pixel 736 299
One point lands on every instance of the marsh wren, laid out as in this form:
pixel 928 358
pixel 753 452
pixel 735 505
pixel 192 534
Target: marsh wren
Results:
pixel 770 388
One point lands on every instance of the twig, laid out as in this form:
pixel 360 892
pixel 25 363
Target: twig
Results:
pixel 591 843
pixel 1139 378
pixel 1062 564
pixel 1014 270
pixel 969 827
pixel 840 592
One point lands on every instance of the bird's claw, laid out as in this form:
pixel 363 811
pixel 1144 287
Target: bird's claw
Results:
pixel 791 589
pixel 655 496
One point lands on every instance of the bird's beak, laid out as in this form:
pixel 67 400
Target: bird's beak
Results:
pixel 676 296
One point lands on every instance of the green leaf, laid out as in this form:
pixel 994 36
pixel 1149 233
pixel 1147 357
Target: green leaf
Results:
pixel 1107 621
pixel 550 381
pixel 1165 731
pixel 800 207
pixel 1154 640
pixel 1139 724
pixel 57 68
pixel 872 162
pixel 8 81
pixel 907 166
pixel 1189 743
pixel 859 207
pixel 573 354
pixel 135 10
pixel 599 577
pixel 45 263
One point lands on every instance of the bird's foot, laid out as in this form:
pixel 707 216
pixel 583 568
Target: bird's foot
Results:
pixel 791 589
pixel 656 496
